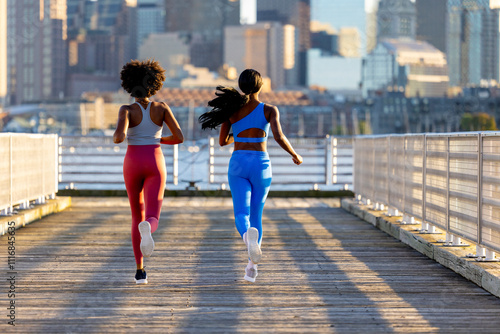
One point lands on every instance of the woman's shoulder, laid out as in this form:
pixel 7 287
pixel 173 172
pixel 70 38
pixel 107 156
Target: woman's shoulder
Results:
pixel 159 105
pixel 269 106
pixel 125 109
pixel 127 106
pixel 270 109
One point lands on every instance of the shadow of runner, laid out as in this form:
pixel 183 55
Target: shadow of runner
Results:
pixel 417 280
pixel 217 299
pixel 55 260
pixel 336 302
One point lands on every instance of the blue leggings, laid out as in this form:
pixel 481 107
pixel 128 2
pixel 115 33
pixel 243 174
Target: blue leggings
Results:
pixel 249 178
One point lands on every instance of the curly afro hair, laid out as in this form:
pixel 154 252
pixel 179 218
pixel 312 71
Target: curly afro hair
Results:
pixel 142 79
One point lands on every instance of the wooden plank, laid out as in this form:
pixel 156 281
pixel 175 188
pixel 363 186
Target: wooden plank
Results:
pixel 323 271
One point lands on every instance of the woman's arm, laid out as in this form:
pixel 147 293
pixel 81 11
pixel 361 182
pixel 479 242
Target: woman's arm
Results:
pixel 225 138
pixel 121 126
pixel 177 137
pixel 279 136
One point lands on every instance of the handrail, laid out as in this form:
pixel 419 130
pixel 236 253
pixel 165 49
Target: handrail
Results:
pixel 28 169
pixel 327 161
pixel 96 163
pixel 447 181
pixel 90 161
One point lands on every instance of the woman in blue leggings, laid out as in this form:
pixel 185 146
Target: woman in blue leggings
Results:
pixel 249 171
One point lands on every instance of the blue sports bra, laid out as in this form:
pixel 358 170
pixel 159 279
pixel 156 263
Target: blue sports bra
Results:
pixel 255 119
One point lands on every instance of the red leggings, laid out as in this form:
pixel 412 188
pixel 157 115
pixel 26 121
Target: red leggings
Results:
pixel 145 176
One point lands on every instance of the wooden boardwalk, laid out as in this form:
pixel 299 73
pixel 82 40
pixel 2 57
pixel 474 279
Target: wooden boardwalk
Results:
pixel 323 270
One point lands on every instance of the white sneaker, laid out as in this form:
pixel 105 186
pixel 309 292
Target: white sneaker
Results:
pixel 254 252
pixel 251 274
pixel 147 242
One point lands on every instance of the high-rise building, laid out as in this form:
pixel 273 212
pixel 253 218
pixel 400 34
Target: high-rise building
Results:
pixel 36 50
pixel 413 68
pixel 173 57
pixel 268 47
pixel 396 19
pixel 472 42
pixel 150 19
pixel 203 22
pixel 349 42
pixel 292 12
pixel 3 51
pixel 371 30
pixel 431 22
pixel 108 15
pixel 342 14
pixel 324 37
pixel 102 38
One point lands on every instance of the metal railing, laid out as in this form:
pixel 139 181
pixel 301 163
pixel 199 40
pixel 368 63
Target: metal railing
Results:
pixel 327 161
pixel 28 169
pixel 96 163
pixel 448 181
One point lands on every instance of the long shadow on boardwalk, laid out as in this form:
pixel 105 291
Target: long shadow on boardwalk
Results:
pixel 420 288
pixel 77 269
pixel 82 272
pixel 217 300
pixel 323 271
pixel 340 304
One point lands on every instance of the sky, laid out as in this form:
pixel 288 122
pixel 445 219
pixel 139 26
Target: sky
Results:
pixel 248 8
pixel 339 13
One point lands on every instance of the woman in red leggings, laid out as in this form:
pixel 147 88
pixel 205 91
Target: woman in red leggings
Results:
pixel 144 165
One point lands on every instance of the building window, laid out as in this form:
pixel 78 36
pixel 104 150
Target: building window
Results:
pixel 404 26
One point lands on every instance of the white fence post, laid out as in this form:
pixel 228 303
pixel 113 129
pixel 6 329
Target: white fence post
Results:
pixel 176 164
pixel 448 184
pixel 424 180
pixel 10 209
pixel 330 161
pixel 480 188
pixel 211 160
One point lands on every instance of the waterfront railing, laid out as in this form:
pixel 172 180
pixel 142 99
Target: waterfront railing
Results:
pixel 96 163
pixel 28 170
pixel 448 182
pixel 327 161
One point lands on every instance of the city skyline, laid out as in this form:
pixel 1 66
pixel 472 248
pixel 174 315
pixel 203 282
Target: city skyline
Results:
pixel 102 35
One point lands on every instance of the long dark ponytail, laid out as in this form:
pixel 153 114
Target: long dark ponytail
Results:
pixel 229 100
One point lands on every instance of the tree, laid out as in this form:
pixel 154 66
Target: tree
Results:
pixel 478 122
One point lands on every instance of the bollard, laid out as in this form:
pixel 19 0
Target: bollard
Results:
pixel 390 212
pixel 408 220
pixel 490 256
pixel 480 251
pixel 24 205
